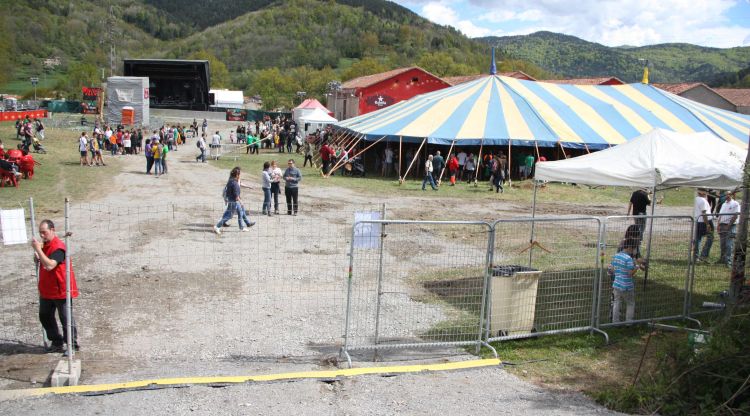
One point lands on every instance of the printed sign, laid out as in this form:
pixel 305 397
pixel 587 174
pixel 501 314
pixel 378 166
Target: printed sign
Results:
pixel 13 224
pixel 366 235
pixel 90 93
pixel 236 114
pixel 380 100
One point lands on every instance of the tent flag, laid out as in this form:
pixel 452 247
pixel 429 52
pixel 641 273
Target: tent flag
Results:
pixel 496 109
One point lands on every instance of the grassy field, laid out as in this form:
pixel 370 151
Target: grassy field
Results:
pixel 521 191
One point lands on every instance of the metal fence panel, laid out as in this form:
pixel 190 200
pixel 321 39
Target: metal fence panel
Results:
pixel 711 275
pixel 159 286
pixel 660 289
pixel 418 284
pixel 19 322
pixel 559 297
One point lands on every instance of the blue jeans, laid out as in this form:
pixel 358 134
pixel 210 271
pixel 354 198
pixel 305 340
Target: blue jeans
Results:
pixel 428 177
pixel 157 167
pixel 232 207
pixel 703 230
pixel 726 239
pixel 266 200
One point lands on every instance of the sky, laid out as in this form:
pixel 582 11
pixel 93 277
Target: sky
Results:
pixel 714 23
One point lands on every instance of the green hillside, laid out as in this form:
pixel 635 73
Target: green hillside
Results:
pixel 569 56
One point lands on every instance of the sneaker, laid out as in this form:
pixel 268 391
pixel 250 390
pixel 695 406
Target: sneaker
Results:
pixel 52 348
pixel 217 230
pixel 225 225
pixel 294 213
pixel 242 230
pixel 251 224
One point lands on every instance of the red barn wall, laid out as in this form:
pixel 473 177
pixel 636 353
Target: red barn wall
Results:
pixel 397 88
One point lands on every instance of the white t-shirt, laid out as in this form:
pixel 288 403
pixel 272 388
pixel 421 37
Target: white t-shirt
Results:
pixel 701 204
pixel 276 175
pixel 215 140
pixel 729 207
pixel 108 134
pixel 388 156
pixel 428 166
pixel 83 144
pixel 461 158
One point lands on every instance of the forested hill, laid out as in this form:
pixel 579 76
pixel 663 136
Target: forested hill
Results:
pixel 271 48
pixel 569 56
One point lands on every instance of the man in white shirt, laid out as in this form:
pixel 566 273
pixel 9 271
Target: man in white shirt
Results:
pixel 704 226
pixel 388 165
pixel 728 214
pixel 461 162
pixel 83 147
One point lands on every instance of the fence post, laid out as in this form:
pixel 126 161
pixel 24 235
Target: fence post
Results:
pixel 36 261
pixel 380 278
pixel 349 297
pixel 601 244
pixel 690 278
pixel 68 300
pixel 485 307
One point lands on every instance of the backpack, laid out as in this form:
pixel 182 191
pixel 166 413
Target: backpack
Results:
pixel 198 144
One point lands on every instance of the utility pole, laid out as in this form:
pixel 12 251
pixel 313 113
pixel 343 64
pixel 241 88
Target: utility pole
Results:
pixel 111 34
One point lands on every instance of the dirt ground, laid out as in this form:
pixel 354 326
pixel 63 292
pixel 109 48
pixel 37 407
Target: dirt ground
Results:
pixel 163 296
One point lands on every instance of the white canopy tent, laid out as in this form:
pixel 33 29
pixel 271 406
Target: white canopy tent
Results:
pixel 315 119
pixel 658 159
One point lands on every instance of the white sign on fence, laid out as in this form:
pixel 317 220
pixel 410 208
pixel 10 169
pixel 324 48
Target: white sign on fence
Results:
pixel 13 225
pixel 366 235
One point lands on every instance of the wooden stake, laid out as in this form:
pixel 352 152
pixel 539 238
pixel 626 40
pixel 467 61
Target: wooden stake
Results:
pixel 400 153
pixel 479 160
pixel 510 167
pixel 416 155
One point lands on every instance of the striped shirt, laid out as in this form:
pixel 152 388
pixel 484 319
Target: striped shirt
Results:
pixel 623 265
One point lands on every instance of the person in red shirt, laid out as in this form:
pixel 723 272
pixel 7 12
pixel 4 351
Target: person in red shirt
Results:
pixel 50 253
pixel 453 168
pixel 326 156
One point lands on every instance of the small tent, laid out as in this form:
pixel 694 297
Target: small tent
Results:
pixel 317 119
pixel 228 99
pixel 657 159
pixel 307 107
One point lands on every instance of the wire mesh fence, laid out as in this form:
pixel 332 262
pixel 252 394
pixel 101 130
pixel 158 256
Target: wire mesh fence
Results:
pixel 543 277
pixel 660 288
pixel 158 284
pixel 712 256
pixel 19 325
pixel 417 283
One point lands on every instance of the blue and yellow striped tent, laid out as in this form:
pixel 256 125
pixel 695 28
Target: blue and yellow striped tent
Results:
pixel 495 110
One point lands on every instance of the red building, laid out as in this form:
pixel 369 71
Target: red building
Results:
pixel 372 92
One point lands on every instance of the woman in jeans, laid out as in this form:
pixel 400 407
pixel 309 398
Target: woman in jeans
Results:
pixel 265 178
pixel 275 173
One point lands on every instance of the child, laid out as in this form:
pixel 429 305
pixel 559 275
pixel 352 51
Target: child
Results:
pixel 624 267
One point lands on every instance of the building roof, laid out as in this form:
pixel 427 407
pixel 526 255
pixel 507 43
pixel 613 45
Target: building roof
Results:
pixel 585 81
pixel 466 78
pixel 737 96
pixel 679 88
pixel 373 79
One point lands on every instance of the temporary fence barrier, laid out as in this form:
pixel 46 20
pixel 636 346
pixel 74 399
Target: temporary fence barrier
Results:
pixel 544 272
pixel 416 284
pixel 661 287
pixel 159 286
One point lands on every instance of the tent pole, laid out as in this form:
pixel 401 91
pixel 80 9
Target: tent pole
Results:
pixel 510 168
pixel 338 164
pixel 587 148
pixel 445 165
pixel 563 150
pixel 533 223
pixel 650 234
pixel 479 160
pixel 416 155
pixel 400 153
pixel 538 156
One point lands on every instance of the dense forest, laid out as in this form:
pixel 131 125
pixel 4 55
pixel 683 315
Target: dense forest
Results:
pixel 274 48
pixel 572 57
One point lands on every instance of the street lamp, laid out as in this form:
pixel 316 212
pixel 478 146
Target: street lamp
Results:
pixel 334 87
pixel 34 81
pixel 301 95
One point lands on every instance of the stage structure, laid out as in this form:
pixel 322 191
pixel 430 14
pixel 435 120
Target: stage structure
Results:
pixel 174 83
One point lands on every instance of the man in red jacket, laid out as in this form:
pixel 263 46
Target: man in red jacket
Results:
pixel 51 257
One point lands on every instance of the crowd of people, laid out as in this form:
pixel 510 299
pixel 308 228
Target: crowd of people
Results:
pixel 270 180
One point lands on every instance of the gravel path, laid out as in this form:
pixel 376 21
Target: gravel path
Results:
pixel 162 296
